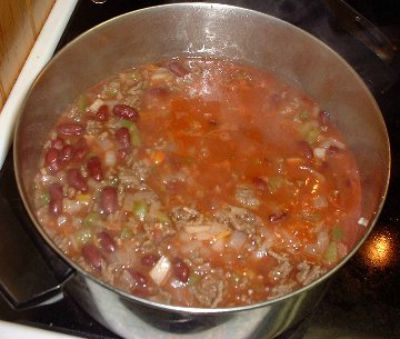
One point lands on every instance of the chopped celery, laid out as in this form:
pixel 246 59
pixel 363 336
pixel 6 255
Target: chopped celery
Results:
pixel 83 236
pixel 91 219
pixel 337 233
pixel 43 199
pixel 135 135
pixel 140 210
pixel 126 123
pixel 82 103
pixel 163 217
pixel 110 92
pixel 330 254
pixel 126 233
pixel 274 183
pixel 312 135
pixel 134 131
pixel 310 132
pixel 193 279
pixel 84 198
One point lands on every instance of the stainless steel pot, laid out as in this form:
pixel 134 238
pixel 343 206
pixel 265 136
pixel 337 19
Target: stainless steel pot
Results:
pixel 203 30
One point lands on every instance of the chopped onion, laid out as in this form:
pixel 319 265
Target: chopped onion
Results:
pixel 237 239
pixel 177 283
pixel 208 231
pixel 160 271
pixel 190 246
pixel 218 245
pixel 48 179
pixel 320 202
pixel 363 222
pixel 72 206
pixel 96 105
pixel 331 142
pixel 61 220
pixel 262 250
pixel 162 74
pixel 322 241
pixel 342 250
pixel 110 158
pixel 196 228
pixel 315 173
pixel 105 143
pixel 319 153
pixel 184 237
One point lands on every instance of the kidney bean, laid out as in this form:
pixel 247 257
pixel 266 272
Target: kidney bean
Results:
pixel 66 154
pixel 149 259
pixel 181 270
pixel 275 217
pixel 107 243
pixel 94 168
pixel 109 200
pixel 305 149
pixel 123 137
pixel 102 113
pixel 70 129
pixel 92 256
pixel 140 286
pixel 51 159
pixel 56 197
pixel 76 180
pixel 57 143
pixel 126 112
pixel 179 69
pixel 80 150
pixel 260 184
pixel 324 117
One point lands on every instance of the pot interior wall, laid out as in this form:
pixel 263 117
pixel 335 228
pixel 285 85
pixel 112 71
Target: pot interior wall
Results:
pixel 208 30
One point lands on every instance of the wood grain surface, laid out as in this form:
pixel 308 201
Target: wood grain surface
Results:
pixel 20 24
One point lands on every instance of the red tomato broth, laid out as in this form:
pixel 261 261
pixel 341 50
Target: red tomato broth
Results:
pixel 201 183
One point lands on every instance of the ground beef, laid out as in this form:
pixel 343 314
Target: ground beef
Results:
pixel 135 176
pixel 282 289
pixel 239 218
pixel 280 257
pixel 246 197
pixel 281 271
pixel 308 273
pixel 185 214
pixel 209 291
pixel 129 178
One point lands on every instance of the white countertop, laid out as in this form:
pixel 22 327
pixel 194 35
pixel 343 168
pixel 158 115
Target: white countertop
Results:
pixel 40 54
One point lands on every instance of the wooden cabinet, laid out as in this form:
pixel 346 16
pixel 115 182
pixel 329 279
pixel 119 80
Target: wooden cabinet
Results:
pixel 20 24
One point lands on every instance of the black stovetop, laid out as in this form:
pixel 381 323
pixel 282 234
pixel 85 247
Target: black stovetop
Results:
pixel 362 300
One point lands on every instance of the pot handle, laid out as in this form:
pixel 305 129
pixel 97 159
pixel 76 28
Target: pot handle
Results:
pixel 26 279
pixel 363 30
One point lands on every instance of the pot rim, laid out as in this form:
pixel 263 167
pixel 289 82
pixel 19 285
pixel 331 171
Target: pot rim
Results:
pixel 184 309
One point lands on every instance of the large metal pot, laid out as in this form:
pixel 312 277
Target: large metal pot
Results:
pixel 203 30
